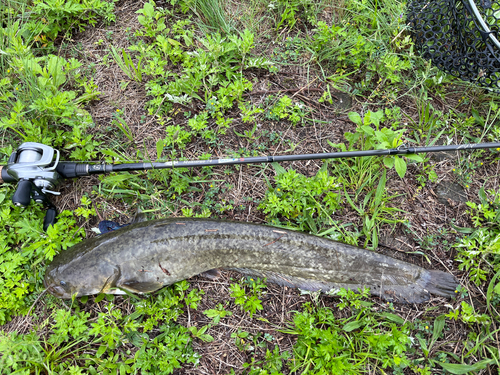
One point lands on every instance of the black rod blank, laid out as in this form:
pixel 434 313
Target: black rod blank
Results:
pixel 402 150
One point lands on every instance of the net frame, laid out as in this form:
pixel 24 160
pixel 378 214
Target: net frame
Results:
pixel 461 37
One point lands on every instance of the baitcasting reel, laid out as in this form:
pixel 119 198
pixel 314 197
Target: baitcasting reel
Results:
pixel 37 170
pixel 33 167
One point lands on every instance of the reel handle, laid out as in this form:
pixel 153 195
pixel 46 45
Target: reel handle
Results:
pixel 22 196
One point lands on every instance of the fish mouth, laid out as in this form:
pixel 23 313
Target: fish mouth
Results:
pixel 57 291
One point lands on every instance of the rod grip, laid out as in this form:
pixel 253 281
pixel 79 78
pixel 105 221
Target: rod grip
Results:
pixel 4 176
pixel 71 170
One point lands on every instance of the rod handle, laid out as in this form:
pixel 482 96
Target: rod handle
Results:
pixel 5 176
pixel 71 170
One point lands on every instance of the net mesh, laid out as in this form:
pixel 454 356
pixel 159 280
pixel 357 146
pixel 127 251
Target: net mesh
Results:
pixel 458 41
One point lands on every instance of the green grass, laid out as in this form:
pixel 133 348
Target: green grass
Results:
pixel 198 62
pixel 213 15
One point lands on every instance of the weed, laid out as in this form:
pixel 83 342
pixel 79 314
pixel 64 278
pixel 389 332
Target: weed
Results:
pixel 74 336
pixel 27 354
pixel 467 314
pixel 384 138
pixel 205 75
pixel 170 349
pixel 213 15
pixel 49 18
pixel 286 109
pixel 152 19
pixel 291 11
pixel 200 333
pixel 306 201
pixel 240 340
pixel 347 345
pixel 248 302
pixel 35 109
pixel 291 50
pixel 273 363
pixel 127 65
pixel 108 327
pixel 22 270
pixel 218 313
pixel 478 251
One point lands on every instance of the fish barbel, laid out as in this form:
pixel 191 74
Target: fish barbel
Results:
pixel 147 256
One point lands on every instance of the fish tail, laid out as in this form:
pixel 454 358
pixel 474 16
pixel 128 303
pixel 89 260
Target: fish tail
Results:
pixel 430 282
pixel 441 283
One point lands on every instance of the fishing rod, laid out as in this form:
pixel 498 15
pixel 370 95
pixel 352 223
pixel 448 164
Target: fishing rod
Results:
pixel 37 169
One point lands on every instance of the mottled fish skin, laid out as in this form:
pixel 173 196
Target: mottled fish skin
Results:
pixel 147 256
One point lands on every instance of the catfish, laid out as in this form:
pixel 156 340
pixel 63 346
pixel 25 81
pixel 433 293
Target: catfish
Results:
pixel 146 256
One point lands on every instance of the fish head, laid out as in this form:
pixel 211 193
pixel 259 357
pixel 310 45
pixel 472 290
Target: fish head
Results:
pixel 81 279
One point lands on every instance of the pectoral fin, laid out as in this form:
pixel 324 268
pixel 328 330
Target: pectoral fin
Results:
pixel 211 274
pixel 111 280
pixel 135 286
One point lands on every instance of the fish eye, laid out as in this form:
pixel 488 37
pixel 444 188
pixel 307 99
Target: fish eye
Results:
pixel 63 283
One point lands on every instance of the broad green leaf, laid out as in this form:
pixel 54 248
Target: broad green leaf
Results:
pixel 278 168
pixel 438 328
pixel 101 350
pixel 368 129
pixel 382 138
pixel 380 189
pixel 497 288
pixel 374 238
pixel 159 148
pixel 423 345
pixel 351 326
pixel 415 157
pixel 393 317
pixel 389 161
pixel 149 10
pixel 477 117
pixel 356 118
pixel 461 230
pixel 173 42
pixel 492 288
pixel 374 117
pixel 99 297
pixel 348 197
pixel 459 369
pixel 400 166
pixel 482 196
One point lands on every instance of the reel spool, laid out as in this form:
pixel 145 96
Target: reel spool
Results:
pixel 461 37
